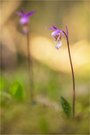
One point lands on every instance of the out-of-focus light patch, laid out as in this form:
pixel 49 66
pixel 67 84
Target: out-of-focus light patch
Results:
pixel 44 50
pixel 80 53
pixel 8 49
pixel 77 21
pixel 7 40
pixel 6 9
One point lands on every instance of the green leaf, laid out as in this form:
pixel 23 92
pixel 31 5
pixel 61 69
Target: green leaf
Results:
pixel 66 107
pixel 17 91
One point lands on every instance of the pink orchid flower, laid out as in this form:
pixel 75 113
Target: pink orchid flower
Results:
pixel 57 34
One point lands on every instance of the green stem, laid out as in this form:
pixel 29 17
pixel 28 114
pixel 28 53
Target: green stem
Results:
pixel 73 77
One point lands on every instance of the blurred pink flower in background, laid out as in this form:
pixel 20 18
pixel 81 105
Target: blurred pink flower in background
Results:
pixel 24 19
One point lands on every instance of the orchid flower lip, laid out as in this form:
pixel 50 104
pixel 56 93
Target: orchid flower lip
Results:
pixel 24 20
pixel 59 44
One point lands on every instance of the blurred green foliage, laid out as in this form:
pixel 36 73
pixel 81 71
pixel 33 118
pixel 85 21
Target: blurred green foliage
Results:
pixel 17 91
pixel 20 117
pixel 3 83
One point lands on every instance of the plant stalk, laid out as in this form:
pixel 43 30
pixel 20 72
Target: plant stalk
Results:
pixel 30 66
pixel 73 77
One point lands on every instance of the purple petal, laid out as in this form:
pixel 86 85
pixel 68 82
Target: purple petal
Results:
pixel 53 28
pixel 30 13
pixel 24 20
pixel 59 44
pixel 56 32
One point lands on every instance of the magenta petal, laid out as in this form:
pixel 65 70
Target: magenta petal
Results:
pixel 56 32
pixel 53 28
pixel 24 20
pixel 50 28
pixel 30 13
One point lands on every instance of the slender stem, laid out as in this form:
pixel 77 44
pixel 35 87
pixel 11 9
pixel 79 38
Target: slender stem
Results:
pixel 30 71
pixel 73 77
